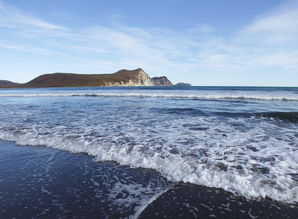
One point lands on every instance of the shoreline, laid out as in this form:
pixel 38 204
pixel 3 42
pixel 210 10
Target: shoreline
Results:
pixel 70 170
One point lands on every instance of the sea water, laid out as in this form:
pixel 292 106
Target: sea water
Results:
pixel 240 139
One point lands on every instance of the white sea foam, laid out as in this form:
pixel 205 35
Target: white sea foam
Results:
pixel 203 95
pixel 144 205
pixel 234 154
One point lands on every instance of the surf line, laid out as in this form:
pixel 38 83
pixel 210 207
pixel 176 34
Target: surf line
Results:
pixel 151 200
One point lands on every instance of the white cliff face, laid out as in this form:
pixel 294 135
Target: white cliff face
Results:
pixel 143 79
pixel 140 78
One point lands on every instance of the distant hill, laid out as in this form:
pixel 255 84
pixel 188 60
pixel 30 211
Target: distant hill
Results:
pixel 4 83
pixel 123 77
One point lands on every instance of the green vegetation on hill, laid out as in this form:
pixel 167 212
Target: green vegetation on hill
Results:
pixel 119 78
pixel 123 77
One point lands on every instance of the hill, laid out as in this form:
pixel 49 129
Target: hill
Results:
pixel 4 83
pixel 123 77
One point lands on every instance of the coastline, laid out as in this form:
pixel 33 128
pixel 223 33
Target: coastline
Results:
pixel 40 181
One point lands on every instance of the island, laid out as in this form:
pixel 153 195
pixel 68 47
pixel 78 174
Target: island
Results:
pixel 181 84
pixel 124 77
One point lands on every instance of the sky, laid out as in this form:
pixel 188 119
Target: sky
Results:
pixel 202 42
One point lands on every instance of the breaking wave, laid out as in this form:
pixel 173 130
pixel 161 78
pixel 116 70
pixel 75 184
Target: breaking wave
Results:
pixel 243 159
pixel 240 97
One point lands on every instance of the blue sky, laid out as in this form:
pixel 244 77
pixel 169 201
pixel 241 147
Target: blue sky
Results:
pixel 203 42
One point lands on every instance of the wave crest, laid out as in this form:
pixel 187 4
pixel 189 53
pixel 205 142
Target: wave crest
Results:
pixel 240 97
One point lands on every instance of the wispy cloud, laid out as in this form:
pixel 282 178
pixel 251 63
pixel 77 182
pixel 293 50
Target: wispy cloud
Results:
pixel 271 39
pixel 278 26
pixel 13 17
pixel 32 49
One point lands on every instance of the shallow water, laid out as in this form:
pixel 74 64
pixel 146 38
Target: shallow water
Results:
pixel 243 140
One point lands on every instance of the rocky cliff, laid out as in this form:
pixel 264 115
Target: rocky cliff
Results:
pixel 161 81
pixel 135 77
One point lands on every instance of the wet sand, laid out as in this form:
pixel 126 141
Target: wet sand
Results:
pixel 38 182
pixel 193 201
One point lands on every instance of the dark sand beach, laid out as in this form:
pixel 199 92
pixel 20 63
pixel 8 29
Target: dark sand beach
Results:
pixel 38 182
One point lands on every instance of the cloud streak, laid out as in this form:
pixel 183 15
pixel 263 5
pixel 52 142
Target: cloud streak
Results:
pixel 14 18
pixel 280 26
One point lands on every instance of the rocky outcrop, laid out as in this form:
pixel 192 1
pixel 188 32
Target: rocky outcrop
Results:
pixel 134 78
pixel 161 81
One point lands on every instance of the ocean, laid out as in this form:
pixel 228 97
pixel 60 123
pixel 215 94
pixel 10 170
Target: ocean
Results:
pixel 130 152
